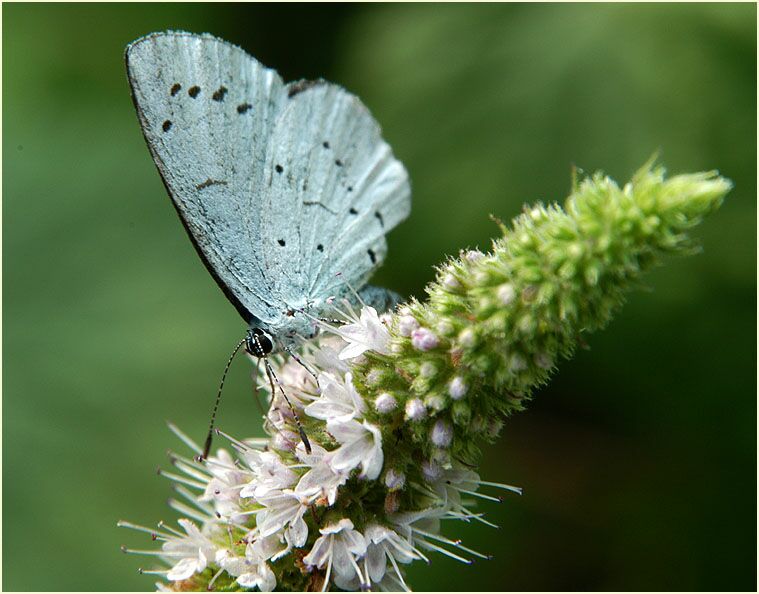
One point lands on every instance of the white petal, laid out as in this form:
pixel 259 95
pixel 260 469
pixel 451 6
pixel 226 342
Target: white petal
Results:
pixel 299 530
pixel 345 431
pixel 319 553
pixel 182 570
pixel 351 454
pixel 375 560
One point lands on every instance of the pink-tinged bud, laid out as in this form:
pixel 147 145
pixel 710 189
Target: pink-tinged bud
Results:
pixel 442 434
pixel 427 369
pixel 467 337
pixel 423 339
pixel 457 388
pixel 473 255
pixel 430 470
pixel 494 428
pixel 444 328
pixel 415 410
pixel 385 403
pixel 451 282
pixel 374 377
pixel 406 325
pixel 543 361
pixel 506 294
pixel 394 479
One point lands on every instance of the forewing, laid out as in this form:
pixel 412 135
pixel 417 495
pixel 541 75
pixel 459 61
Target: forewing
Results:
pixel 331 191
pixel 207 111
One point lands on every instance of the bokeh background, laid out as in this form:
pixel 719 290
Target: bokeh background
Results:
pixel 638 461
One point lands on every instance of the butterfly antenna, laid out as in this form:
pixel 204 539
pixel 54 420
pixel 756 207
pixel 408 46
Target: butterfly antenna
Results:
pixel 207 447
pixel 274 379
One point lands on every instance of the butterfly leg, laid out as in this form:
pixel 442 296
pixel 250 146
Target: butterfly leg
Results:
pixel 302 364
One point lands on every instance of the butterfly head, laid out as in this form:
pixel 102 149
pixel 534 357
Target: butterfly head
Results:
pixel 259 343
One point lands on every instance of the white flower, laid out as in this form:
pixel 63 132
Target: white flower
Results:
pixel 338 547
pixel 338 400
pixel 366 333
pixel 251 571
pixel 361 444
pixel 321 480
pixel 280 510
pixel 194 550
pixel 271 474
pixel 383 545
pixel 223 489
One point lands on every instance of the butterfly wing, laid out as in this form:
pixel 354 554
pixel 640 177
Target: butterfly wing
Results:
pixel 207 111
pixel 332 190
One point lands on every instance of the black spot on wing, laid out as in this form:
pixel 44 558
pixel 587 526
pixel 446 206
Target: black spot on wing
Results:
pixel 350 188
pixel 320 247
pixel 243 107
pixel 338 162
pixel 166 126
pixel 219 93
pixel 175 88
pixel 281 242
pixel 193 91
pixel 353 211
pixel 372 256
pixel 379 218
pixel 278 168
pixel 210 182
pixel 325 144
pixel 301 85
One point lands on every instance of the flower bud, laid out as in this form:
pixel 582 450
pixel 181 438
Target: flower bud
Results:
pixel 457 388
pixel 385 403
pixel 394 479
pixel 442 433
pixel 415 410
pixel 424 339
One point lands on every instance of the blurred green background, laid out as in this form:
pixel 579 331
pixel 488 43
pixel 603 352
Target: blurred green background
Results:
pixel 638 461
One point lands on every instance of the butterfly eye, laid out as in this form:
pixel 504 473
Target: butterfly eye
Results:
pixel 258 343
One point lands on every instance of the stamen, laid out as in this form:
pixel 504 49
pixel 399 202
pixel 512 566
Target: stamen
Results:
pixel 397 571
pixel 446 552
pixel 187 441
pixel 517 490
pixel 171 529
pixel 180 479
pixel 213 579
pixel 153 571
pixel 194 500
pixel 189 470
pixel 186 510
pixel 476 494
pixel 152 553
pixel 455 543
pixel 155 534
pixel 240 444
pixel 329 568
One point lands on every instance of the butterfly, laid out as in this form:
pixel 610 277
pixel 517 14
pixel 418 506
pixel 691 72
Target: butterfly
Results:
pixel 285 189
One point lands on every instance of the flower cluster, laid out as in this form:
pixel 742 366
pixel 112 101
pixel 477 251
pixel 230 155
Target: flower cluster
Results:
pixel 272 506
pixel 394 405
